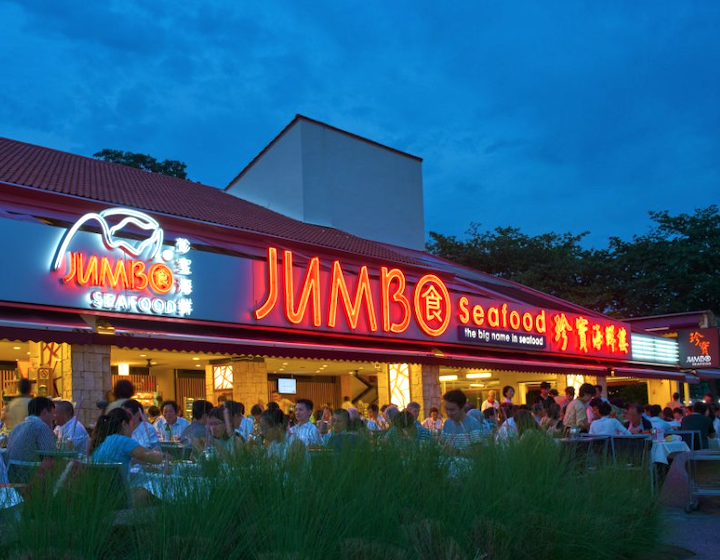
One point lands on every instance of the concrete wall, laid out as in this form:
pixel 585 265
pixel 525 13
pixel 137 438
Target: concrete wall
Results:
pixel 322 176
pixel 275 181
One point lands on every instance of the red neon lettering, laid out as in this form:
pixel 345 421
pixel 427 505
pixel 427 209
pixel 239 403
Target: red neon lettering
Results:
pixel 87 274
pixel 352 310
pixel 437 304
pixel 161 278
pixel 527 322
pixel 478 315
pixel 117 279
pixel 581 326
pixel 514 320
pixel 398 296
pixel 310 287
pixel 463 314
pixel 272 284
pixel 138 278
pixel 494 317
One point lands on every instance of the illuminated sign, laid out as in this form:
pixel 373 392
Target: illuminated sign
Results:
pixel 129 271
pixel 334 297
pixel 699 348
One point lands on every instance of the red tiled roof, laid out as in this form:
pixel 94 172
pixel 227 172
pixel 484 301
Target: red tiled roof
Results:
pixel 61 172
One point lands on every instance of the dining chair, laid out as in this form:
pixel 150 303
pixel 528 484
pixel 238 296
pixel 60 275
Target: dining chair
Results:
pixel 22 472
pixel 690 437
pixel 633 453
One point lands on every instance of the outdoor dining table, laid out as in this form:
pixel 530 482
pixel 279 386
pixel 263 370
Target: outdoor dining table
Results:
pixel 661 450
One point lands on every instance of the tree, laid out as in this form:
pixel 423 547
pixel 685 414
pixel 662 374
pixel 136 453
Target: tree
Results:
pixel 553 263
pixel 170 167
pixel 672 269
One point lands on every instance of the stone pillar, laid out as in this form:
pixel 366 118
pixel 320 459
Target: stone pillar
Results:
pixel 90 379
pixel 383 385
pixel 250 384
pixel 430 387
pixel 416 388
pixel 210 385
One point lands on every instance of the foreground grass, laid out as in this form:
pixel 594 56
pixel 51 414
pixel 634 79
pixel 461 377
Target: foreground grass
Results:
pixel 388 502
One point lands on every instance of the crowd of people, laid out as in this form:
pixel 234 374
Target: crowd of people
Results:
pixel 126 433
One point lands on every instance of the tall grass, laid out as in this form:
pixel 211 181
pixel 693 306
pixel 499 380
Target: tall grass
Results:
pixel 390 502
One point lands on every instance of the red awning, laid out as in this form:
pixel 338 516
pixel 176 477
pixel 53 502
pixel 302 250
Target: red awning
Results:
pixel 647 373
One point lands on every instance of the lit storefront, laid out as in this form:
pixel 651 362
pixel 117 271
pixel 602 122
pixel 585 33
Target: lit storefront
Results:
pixel 194 293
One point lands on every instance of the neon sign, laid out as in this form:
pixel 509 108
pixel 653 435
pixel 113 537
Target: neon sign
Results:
pixel 127 276
pixel 383 303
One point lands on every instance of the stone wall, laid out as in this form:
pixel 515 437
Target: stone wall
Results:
pixel 430 386
pixel 250 384
pixel 90 379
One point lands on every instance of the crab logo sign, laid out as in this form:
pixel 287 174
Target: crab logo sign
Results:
pixel 132 273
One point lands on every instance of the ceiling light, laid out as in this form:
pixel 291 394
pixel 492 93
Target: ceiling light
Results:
pixel 28 353
pixel 481 375
pixel 196 359
pixel 143 355
pixel 285 363
pixel 16 348
pixel 198 365
pixel 448 378
pixel 477 385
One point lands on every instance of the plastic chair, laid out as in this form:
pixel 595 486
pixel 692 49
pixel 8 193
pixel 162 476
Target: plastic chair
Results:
pixel 586 454
pixel 96 480
pixel 22 472
pixel 690 437
pixel 633 453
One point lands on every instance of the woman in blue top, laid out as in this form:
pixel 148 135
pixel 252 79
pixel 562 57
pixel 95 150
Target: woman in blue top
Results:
pixel 112 442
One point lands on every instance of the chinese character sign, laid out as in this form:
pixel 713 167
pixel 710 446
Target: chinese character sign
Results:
pixel 698 348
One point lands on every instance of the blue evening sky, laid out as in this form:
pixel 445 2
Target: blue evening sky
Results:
pixel 544 115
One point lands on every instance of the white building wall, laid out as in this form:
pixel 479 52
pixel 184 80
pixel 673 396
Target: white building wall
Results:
pixel 275 179
pixel 324 176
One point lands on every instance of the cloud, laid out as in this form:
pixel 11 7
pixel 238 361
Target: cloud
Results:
pixel 542 115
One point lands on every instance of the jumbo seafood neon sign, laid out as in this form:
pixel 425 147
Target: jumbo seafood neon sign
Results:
pixel 382 302
pixel 126 275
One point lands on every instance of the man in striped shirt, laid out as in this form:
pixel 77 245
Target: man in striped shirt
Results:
pixel 304 431
pixel 34 433
pixel 460 431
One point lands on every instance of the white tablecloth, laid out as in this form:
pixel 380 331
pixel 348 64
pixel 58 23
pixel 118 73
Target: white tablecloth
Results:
pixel 661 450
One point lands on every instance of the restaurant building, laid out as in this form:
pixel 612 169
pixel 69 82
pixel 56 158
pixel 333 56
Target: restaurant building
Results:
pixel 305 276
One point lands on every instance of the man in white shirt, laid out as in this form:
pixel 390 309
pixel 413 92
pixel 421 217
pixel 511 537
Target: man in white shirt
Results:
pixel 69 431
pixel 657 422
pixel 170 418
pixel 242 425
pixel 144 432
pixel 304 431
pixel 605 425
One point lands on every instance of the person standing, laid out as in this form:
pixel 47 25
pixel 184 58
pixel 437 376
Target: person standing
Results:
pixel 699 421
pixel 544 398
pixel 576 412
pixel 490 402
pixel 17 409
pixel 304 431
